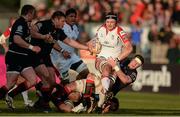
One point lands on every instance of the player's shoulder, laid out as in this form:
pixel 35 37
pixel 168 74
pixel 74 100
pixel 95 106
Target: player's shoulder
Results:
pixel 20 21
pixel 44 22
pixel 75 27
pixel 66 26
pixel 101 27
pixel 120 31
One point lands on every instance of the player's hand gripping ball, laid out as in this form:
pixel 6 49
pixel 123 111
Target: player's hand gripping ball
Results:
pixel 95 46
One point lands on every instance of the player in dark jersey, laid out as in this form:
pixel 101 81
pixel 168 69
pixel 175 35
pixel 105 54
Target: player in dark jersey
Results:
pixel 45 34
pixel 126 74
pixel 20 50
pixel 125 71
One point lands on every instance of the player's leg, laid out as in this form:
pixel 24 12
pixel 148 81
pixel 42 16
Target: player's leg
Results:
pixel 30 76
pixel 11 81
pixel 106 72
pixel 81 68
pixel 43 88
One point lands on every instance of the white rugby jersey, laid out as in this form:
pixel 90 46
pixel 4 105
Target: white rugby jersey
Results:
pixel 112 41
pixel 57 58
pixel 72 33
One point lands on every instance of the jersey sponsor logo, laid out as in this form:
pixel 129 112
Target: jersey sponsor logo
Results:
pixel 122 33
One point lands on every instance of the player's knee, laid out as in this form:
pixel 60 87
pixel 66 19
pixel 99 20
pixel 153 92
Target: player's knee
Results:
pixel 105 73
pixel 81 67
pixel 107 70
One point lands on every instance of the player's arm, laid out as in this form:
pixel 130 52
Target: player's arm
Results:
pixel 3 38
pixel 20 42
pixel 127 49
pixel 58 48
pixel 125 79
pixel 127 45
pixel 35 33
pixel 75 44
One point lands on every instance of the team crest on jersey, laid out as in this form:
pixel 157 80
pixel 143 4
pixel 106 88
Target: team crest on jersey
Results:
pixel 19 28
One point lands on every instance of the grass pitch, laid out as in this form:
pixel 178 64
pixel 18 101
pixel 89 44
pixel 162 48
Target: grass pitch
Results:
pixel 131 104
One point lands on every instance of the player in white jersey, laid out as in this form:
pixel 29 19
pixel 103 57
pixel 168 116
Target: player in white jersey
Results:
pixel 65 61
pixel 114 43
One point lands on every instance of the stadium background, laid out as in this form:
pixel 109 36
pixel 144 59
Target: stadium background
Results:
pixel 152 25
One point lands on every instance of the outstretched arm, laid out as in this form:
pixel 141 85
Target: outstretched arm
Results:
pixel 75 44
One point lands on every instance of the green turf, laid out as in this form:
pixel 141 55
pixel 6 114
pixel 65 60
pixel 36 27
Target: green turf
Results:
pixel 130 104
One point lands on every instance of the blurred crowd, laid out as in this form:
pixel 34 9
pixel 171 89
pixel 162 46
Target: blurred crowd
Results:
pixel 160 12
pixel 158 15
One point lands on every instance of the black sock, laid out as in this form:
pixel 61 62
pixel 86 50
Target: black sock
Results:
pixel 46 94
pixel 60 89
pixel 38 86
pixel 3 91
pixel 20 88
pixel 56 99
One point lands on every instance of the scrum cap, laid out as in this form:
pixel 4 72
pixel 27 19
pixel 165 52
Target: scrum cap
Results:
pixel 111 15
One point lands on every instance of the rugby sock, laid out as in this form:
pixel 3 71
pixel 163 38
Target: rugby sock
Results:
pixel 20 88
pixel 105 83
pixel 25 97
pixel 90 88
pixel 3 91
pixel 46 93
pixel 56 99
pixel 59 95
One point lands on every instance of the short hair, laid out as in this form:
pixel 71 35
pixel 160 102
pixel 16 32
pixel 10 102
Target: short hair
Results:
pixel 111 15
pixel 27 9
pixel 71 11
pixel 140 57
pixel 114 104
pixel 57 14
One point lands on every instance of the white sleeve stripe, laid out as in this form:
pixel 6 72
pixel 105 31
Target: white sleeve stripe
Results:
pixel 18 32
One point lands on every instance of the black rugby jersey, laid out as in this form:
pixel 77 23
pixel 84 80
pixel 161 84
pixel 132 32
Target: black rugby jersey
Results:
pixel 47 27
pixel 20 28
pixel 125 69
